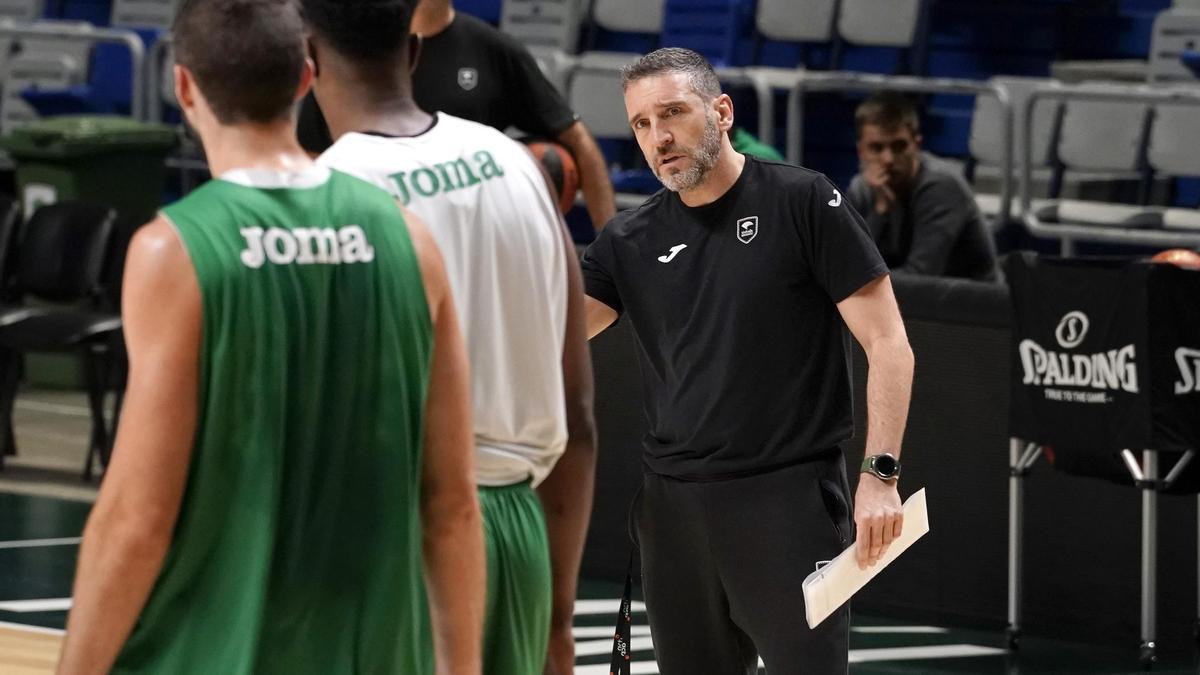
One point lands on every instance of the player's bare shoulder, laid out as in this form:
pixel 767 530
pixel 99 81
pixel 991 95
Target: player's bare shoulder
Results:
pixel 429 258
pixel 156 248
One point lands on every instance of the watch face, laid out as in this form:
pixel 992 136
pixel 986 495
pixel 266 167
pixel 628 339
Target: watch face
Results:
pixel 885 465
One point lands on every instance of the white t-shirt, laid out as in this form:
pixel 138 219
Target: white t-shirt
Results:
pixel 488 208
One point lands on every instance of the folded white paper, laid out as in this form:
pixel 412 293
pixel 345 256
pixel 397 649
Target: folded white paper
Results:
pixel 831 586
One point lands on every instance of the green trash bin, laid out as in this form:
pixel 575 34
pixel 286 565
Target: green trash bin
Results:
pixel 114 161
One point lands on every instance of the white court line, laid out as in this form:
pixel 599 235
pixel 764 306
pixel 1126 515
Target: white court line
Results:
pixel 636 668
pixel 55 437
pixel 604 607
pixel 56 408
pixel 900 630
pixel 37 543
pixel 47 605
pixel 931 652
pixel 593 632
pixel 594 647
pixel 32 629
pixel 584 632
pixel 601 607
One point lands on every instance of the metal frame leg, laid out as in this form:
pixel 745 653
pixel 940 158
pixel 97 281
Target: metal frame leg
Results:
pixel 1149 556
pixel 795 125
pixel 766 109
pixel 1146 477
pixel 96 373
pixel 1015 523
pixel 10 375
pixel 1022 457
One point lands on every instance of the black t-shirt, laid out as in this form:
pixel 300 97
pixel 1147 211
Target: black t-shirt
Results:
pixel 745 359
pixel 473 71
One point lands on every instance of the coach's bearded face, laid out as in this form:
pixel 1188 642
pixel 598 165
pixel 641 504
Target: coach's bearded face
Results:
pixel 697 160
pixel 679 131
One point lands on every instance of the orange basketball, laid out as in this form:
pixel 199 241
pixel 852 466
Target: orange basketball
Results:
pixel 1180 257
pixel 564 175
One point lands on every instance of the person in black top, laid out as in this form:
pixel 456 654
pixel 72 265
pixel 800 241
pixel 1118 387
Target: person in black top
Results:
pixel 919 208
pixel 470 70
pixel 740 280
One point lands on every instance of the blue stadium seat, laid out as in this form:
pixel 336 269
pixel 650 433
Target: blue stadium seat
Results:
pixel 543 25
pixel 1104 145
pixel 1186 193
pixel 20 11
pixel 721 30
pixel 975 40
pixel 549 29
pixel 1099 32
pixel 1176 35
pixel 1168 156
pixel 987 142
pixel 617 32
pixel 38 61
pixel 937 38
pixel 107 90
pixel 631 26
pixel 594 92
pixel 488 10
pixel 794 33
pixel 95 12
pixel 883 37
pixel 1165 155
pixel 23 10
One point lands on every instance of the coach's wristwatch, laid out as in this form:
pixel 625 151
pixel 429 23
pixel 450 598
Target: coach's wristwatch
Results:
pixel 883 466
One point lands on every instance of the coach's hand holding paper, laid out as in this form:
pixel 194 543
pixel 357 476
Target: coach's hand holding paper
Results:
pixel 878 518
pixel 831 586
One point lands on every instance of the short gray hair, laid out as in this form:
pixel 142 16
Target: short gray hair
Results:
pixel 699 71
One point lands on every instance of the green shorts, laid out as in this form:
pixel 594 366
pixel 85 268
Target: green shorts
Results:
pixel 517 630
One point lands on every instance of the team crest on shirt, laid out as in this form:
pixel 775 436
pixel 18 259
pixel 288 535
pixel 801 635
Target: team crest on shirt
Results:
pixel 747 229
pixel 468 78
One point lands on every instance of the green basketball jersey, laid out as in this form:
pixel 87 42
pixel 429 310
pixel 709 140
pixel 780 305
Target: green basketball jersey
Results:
pixel 298 547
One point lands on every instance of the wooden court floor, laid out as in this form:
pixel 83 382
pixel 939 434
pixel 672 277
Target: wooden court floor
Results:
pixel 43 506
pixel 27 652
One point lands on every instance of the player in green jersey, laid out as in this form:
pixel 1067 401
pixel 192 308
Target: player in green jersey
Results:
pixel 293 470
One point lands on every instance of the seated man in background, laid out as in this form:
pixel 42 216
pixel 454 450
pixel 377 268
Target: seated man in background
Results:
pixel 919 209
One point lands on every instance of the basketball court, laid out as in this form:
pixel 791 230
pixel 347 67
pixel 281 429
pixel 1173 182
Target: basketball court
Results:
pixel 43 507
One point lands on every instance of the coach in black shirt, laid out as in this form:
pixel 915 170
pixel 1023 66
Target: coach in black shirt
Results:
pixel 740 280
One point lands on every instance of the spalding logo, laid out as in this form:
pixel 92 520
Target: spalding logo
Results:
pixel 1072 329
